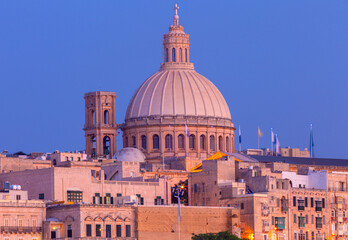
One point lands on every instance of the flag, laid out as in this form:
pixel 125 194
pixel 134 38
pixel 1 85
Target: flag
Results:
pixel 277 145
pixel 273 140
pixel 240 136
pixel 259 132
pixel 311 142
pixel 186 130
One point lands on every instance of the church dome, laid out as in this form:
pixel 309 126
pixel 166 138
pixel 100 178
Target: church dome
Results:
pixel 175 92
pixel 177 89
pixel 129 154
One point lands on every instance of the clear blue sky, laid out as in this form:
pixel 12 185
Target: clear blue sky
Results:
pixel 280 64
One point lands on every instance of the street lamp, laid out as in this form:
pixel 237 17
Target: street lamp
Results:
pixel 178 192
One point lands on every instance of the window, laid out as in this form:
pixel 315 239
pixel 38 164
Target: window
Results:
pixel 312 235
pixel 98 230
pixel 143 141
pixel 155 142
pixel 18 197
pixel 41 196
pixel 220 143
pixel 169 141
pixel 318 222
pixel 74 196
pixel 166 56
pixel 202 142
pixel 212 143
pixel 312 202
pixel 323 202
pixel 295 235
pixel 180 55
pixel 88 230
pixel 159 201
pixel 106 117
pixel 279 222
pixel 67 158
pixel 134 141
pixel 195 187
pixel 318 206
pixel 173 55
pixel 294 201
pixel 242 206
pixel 301 204
pixel 186 59
pixel 324 219
pixel 118 231
pixel 227 144
pixel 203 187
pixel 108 231
pixel 306 202
pixel 72 158
pixel 108 199
pixel 128 230
pixel 312 222
pixel 192 141
pixel 69 231
pixel 294 218
pixel 306 219
pixel 181 141
pixel 301 222
pixel 97 199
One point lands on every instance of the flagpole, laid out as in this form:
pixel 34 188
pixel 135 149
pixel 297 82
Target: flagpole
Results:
pixel 258 139
pixel 240 140
pixel 272 141
pixel 311 141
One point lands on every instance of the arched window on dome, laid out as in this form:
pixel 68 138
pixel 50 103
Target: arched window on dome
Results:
pixel 169 141
pixel 167 55
pixel 106 145
pixel 212 143
pixel 143 141
pixel 192 141
pixel 180 55
pixel 181 141
pixel 202 142
pixel 173 55
pixel 155 141
pixel 227 144
pixel 185 54
pixel 134 141
pixel 106 117
pixel 220 143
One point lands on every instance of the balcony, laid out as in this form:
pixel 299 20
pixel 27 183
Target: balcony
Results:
pixel 13 229
pixel 318 209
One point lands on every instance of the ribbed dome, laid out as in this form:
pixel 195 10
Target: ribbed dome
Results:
pixel 173 92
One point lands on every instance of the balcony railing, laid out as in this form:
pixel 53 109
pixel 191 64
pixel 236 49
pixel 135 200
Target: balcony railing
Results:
pixel 318 209
pixel 337 189
pixel 16 229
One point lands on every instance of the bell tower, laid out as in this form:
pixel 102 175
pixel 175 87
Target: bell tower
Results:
pixel 100 124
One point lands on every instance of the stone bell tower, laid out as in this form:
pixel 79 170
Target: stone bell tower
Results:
pixel 100 124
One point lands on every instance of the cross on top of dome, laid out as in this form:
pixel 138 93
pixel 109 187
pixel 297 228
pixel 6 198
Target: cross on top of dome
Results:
pixel 176 16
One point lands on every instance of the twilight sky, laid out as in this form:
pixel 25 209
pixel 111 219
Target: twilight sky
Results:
pixel 280 64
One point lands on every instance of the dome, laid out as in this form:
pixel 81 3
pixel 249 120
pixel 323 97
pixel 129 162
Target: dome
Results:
pixel 129 154
pixel 175 92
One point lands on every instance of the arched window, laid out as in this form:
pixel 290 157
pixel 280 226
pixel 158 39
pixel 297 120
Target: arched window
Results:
pixel 202 141
pixel 169 141
pixel 192 141
pixel 227 144
pixel 106 145
pixel 181 141
pixel 185 54
pixel 212 142
pixel 134 141
pixel 167 55
pixel 106 117
pixel 173 55
pixel 94 146
pixel 126 142
pixel 143 141
pixel 220 143
pixel 54 162
pixel 93 117
pixel 180 55
pixel 155 141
